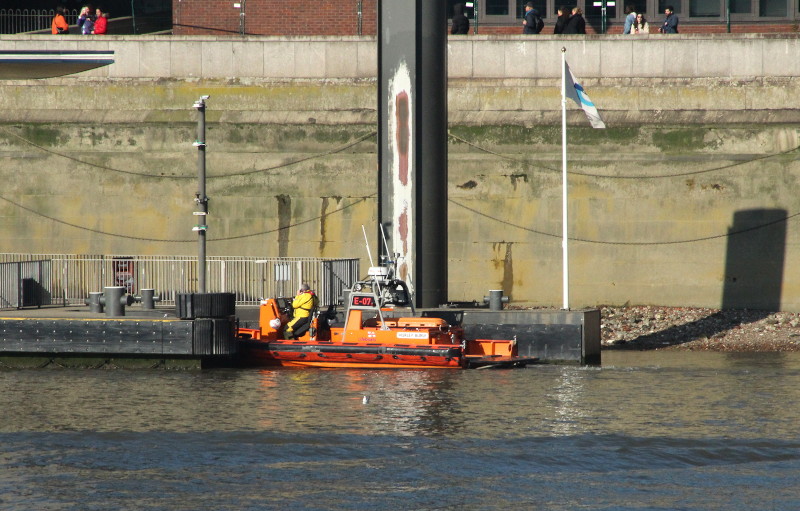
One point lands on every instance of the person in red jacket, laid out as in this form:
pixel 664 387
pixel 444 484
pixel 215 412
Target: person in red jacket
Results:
pixel 101 23
pixel 59 25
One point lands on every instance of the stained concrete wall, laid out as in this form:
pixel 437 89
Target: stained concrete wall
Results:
pixel 486 56
pixel 686 199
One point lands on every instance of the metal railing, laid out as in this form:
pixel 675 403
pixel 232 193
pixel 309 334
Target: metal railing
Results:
pixel 15 21
pixel 24 284
pixel 72 277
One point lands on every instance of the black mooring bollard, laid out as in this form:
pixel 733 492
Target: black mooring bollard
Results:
pixel 495 299
pixel 148 298
pixel 95 302
pixel 116 300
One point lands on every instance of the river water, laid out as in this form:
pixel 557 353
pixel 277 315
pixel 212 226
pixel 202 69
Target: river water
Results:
pixel 646 430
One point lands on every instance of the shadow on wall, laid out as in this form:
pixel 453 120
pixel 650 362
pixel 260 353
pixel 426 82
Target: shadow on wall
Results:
pixel 753 283
pixel 754 260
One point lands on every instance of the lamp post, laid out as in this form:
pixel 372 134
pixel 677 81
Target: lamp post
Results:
pixel 603 18
pixel 728 14
pixel 200 198
pixel 242 14
pixel 474 5
pixel 133 16
pixel 360 21
pixel 604 5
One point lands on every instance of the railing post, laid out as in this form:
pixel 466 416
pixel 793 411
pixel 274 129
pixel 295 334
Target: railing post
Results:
pixel 19 285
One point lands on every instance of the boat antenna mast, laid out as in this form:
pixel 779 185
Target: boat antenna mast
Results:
pixel 388 259
pixel 371 275
pixel 366 242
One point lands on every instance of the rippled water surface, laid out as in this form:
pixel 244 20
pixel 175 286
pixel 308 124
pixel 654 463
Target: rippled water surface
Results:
pixel 649 430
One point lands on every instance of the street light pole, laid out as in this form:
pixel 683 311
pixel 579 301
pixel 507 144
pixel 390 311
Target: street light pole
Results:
pixel 200 198
pixel 133 16
pixel 728 15
pixel 604 23
pixel 604 5
pixel 242 20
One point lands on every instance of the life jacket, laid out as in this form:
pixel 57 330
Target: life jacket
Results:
pixel 304 304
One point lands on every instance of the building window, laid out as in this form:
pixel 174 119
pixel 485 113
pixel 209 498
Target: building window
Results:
pixel 592 10
pixel 772 8
pixel 497 7
pixel 741 6
pixel 511 11
pixel 705 8
pixel 639 6
pixel 662 4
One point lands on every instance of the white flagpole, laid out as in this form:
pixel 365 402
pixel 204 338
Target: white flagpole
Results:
pixel 565 252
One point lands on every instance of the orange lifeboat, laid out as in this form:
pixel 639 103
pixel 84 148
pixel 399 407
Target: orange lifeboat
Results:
pixel 374 334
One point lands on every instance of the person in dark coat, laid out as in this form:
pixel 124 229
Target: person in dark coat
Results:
pixel 670 25
pixel 576 23
pixel 530 20
pixel 561 21
pixel 460 20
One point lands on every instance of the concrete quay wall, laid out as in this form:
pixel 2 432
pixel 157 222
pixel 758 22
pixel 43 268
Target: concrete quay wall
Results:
pixel 485 56
pixel 688 198
pixel 684 79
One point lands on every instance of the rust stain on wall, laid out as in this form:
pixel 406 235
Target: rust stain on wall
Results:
pixel 323 215
pixel 323 220
pixel 504 249
pixel 508 271
pixel 518 177
pixel 402 225
pixel 284 223
pixel 403 134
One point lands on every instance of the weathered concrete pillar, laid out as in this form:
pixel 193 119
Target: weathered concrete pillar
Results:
pixel 412 109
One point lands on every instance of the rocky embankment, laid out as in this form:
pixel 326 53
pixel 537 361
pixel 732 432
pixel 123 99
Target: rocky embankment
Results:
pixel 646 328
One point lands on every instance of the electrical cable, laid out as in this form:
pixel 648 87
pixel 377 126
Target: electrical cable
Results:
pixel 138 238
pixel 369 135
pixel 638 243
pixel 237 174
pixel 634 176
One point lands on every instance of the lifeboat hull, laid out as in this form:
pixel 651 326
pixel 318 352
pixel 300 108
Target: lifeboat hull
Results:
pixel 365 355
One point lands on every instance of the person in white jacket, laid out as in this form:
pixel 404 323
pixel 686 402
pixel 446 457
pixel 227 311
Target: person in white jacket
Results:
pixel 640 26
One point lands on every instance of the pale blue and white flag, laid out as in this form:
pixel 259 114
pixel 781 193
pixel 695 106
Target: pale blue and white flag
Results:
pixel 575 91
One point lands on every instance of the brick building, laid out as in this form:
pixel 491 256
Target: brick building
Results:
pixel 275 17
pixel 359 17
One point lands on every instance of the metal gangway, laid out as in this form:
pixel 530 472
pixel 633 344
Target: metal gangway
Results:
pixel 68 279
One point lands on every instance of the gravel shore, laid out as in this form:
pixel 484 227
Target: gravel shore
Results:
pixel 681 328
